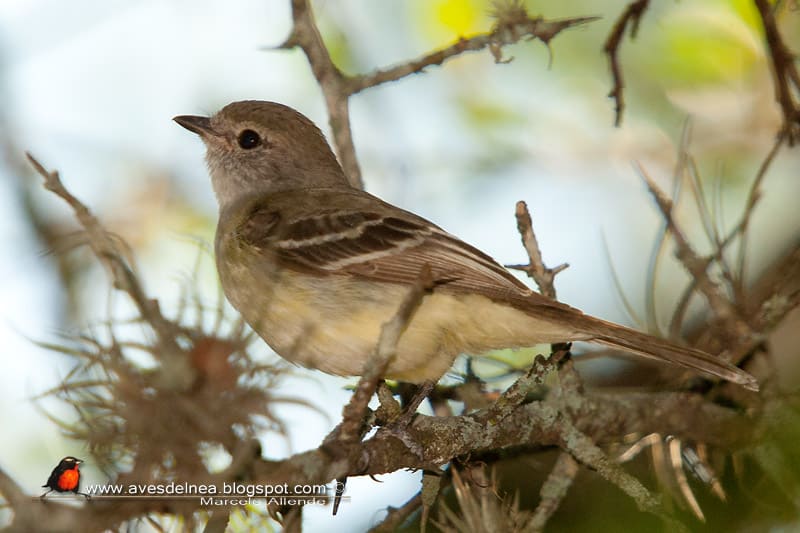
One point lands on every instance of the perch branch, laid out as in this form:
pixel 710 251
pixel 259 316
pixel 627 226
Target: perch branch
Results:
pixel 349 431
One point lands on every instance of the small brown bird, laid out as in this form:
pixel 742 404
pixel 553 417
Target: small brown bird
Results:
pixel 316 266
pixel 66 477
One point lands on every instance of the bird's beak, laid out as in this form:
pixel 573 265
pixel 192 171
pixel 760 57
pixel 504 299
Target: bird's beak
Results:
pixel 197 124
pixel 79 461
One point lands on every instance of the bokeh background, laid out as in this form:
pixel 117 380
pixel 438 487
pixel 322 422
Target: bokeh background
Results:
pixel 90 89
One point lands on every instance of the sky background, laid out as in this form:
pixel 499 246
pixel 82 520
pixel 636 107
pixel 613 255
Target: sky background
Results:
pixel 90 89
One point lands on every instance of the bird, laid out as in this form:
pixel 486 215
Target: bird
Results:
pixel 65 477
pixel 316 266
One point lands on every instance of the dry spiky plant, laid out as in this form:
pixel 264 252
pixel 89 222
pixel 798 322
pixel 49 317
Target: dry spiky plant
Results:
pixel 481 508
pixel 131 416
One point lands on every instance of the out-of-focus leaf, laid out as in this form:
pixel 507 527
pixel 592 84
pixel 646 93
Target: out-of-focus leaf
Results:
pixel 443 20
pixel 483 113
pixel 461 16
pixel 334 35
pixel 706 43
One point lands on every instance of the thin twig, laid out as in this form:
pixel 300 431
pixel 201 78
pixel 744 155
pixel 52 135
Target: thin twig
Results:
pixel 660 245
pixel 350 429
pixel 397 515
pixel 694 264
pixel 536 269
pixel 784 70
pixel 752 199
pixel 633 16
pixel 553 491
pixel 710 226
pixel 501 35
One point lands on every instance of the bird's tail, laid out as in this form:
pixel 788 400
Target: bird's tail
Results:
pixel 663 350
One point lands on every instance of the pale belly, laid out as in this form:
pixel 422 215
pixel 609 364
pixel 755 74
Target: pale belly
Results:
pixel 333 323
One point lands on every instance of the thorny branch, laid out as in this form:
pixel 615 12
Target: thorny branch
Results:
pixel 536 269
pixel 505 32
pixel 513 25
pixel 331 80
pixel 575 443
pixel 784 70
pixel 783 63
pixel 631 16
pixel 738 231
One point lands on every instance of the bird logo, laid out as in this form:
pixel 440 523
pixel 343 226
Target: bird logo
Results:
pixel 66 477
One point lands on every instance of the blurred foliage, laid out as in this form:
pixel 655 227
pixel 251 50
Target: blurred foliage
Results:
pixel 445 18
pixel 712 42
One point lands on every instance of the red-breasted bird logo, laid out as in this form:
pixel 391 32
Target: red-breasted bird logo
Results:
pixel 65 477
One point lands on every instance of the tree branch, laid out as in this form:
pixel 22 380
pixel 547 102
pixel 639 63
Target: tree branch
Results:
pixel 784 70
pixel 553 491
pixel 536 269
pixel 306 35
pixel 633 16
pixel 502 34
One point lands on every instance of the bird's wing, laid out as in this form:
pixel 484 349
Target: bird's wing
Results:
pixel 349 232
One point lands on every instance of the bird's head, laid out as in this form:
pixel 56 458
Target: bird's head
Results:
pixel 255 146
pixel 69 462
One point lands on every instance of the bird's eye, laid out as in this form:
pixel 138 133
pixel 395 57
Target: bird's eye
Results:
pixel 249 139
